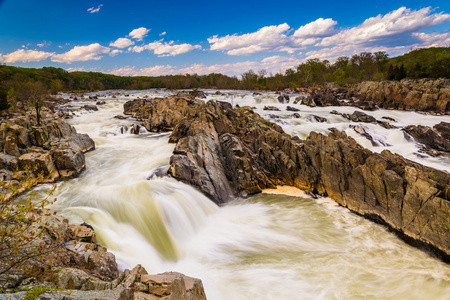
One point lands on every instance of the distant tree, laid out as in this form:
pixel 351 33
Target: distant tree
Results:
pixel 35 94
pixel 4 100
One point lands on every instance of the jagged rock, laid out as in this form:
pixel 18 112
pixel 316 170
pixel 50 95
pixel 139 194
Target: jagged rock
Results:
pixel 297 115
pixel 54 148
pixel 120 117
pixel 82 233
pixel 100 103
pixel 437 137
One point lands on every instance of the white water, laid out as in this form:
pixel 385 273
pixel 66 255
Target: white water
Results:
pixel 266 247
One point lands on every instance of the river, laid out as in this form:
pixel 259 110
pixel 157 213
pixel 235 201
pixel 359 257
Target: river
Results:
pixel 269 246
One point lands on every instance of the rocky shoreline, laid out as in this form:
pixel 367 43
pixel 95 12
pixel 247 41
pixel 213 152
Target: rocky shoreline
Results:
pixel 425 95
pixel 226 152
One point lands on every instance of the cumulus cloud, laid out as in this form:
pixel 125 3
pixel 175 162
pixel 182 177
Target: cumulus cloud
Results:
pixel 318 28
pixel 165 49
pixel 22 55
pixel 139 33
pixel 115 52
pixel 387 29
pixel 267 38
pixel 121 43
pixel 162 33
pixel 82 53
pixel 94 10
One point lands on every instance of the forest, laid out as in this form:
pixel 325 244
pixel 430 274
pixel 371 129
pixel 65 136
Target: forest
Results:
pixel 19 83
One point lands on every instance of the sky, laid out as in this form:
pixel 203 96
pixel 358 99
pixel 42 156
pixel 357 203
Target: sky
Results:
pixel 151 38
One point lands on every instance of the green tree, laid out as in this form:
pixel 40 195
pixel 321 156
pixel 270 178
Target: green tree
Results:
pixel 4 100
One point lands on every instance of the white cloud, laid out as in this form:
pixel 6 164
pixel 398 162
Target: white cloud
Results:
pixel 121 43
pixel 162 33
pixel 44 44
pixel 139 33
pixel 385 29
pixel 93 10
pixel 22 55
pixel 267 38
pixel 165 49
pixel 81 53
pixel 115 52
pixel 433 39
pixel 319 28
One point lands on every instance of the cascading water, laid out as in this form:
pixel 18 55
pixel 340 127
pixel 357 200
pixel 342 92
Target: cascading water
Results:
pixel 269 246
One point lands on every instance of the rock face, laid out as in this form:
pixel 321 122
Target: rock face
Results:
pixel 226 152
pixel 429 95
pixel 54 149
pixel 419 95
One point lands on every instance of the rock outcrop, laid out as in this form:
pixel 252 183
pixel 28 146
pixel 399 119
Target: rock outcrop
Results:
pixel 48 152
pixel 226 152
pixel 83 269
pixel 432 95
pixel 428 95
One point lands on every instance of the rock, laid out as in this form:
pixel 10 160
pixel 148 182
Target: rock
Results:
pixel 274 108
pixel 283 98
pixel 317 119
pixel 53 149
pixel 39 164
pixel 296 115
pixel 120 117
pixel 82 233
pixel 437 138
pixel 90 107
pixel 100 103
pixel 290 108
pixel 135 129
pixel 299 100
pixel 360 130
pixel 358 116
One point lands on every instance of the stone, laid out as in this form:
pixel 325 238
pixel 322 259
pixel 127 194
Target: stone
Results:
pixel 290 108
pixel 90 107
pixel 437 138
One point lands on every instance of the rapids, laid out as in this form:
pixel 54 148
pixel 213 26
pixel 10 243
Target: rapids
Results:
pixel 280 244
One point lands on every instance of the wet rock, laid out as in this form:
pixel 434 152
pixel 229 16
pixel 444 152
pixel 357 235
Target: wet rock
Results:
pixel 317 119
pixel 135 129
pixel 296 115
pixel 283 98
pixel 290 108
pixel 358 116
pixel 360 130
pixel 299 100
pixel 100 103
pixel 274 108
pixel 437 138
pixel 90 107
pixel 120 117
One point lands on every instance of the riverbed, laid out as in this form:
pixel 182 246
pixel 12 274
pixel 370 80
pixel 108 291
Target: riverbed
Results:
pixel 277 245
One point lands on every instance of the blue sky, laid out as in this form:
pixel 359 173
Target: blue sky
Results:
pixel 131 37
